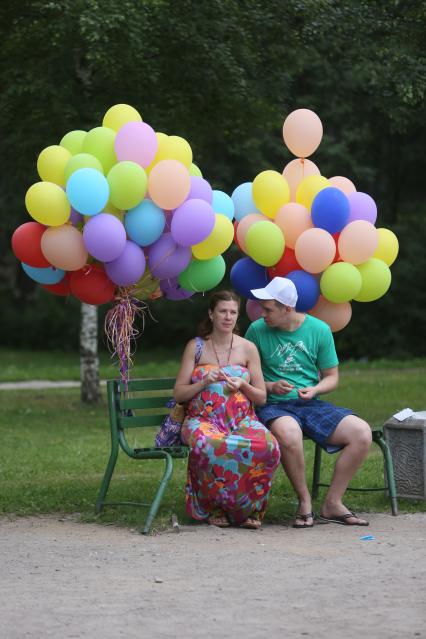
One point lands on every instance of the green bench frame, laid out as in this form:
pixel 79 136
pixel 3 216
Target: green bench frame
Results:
pixel 143 403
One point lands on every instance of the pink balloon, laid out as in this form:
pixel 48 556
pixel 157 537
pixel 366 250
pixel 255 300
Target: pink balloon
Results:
pixel 337 316
pixel 363 207
pixel 296 171
pixel 245 223
pixel 315 250
pixel 137 142
pixel 293 219
pixel 64 248
pixel 343 184
pixel 253 310
pixel 302 132
pixel 357 242
pixel 169 184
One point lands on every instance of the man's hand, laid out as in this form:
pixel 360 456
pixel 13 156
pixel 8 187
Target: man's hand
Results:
pixel 281 388
pixel 307 393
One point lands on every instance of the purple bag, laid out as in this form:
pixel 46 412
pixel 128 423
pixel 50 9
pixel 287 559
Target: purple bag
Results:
pixel 169 433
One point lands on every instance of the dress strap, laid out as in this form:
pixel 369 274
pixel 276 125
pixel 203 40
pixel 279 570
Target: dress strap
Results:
pixel 199 343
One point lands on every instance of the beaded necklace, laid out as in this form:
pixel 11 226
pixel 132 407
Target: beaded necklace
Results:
pixel 229 352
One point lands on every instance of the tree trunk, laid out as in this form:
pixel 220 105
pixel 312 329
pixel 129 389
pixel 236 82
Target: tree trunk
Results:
pixel 89 360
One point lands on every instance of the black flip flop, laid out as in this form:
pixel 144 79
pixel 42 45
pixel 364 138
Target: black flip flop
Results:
pixel 342 519
pixel 305 519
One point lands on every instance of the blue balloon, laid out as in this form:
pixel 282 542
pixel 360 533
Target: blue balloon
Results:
pixel 88 191
pixel 49 275
pixel 145 223
pixel 243 201
pixel 330 210
pixel 223 204
pixel 308 289
pixel 246 274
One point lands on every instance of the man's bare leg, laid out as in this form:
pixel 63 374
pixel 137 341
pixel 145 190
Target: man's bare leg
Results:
pixel 354 434
pixel 288 433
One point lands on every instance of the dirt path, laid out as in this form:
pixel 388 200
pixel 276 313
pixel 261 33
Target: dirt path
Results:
pixel 63 579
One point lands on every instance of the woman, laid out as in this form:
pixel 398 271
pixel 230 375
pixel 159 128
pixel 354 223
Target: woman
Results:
pixel 232 455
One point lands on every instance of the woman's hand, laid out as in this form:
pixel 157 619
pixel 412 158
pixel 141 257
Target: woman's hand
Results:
pixel 211 377
pixel 234 383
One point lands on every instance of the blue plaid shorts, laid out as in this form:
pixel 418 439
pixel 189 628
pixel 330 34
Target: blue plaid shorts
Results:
pixel 317 419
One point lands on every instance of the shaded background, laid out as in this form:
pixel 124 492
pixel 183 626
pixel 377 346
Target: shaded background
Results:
pixel 223 75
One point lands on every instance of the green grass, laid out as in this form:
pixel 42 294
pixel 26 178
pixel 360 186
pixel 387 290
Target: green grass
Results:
pixel 54 451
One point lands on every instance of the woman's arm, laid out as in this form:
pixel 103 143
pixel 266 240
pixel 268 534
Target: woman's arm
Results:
pixel 184 390
pixel 255 391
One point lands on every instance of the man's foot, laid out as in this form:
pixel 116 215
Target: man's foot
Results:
pixel 304 520
pixel 346 518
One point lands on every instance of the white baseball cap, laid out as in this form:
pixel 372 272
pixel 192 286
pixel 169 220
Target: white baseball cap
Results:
pixel 280 289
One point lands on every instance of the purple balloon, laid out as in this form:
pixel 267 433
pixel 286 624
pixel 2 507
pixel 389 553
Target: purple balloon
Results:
pixel 166 259
pixel 192 222
pixel 172 290
pixel 200 189
pixel 362 207
pixel 75 217
pixel 129 267
pixel 104 237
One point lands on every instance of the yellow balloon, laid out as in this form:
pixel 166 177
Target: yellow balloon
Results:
pixel 175 148
pixel 47 203
pixel 162 140
pixel 73 141
pixel 195 171
pixel 309 188
pixel 120 114
pixel 270 192
pixel 387 247
pixel 265 243
pixel 51 164
pixel 376 279
pixel 218 241
pixel 100 143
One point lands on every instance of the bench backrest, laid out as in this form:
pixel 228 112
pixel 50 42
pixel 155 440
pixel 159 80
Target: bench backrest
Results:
pixel 142 404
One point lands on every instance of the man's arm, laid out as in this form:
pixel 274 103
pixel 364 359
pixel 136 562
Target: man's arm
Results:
pixel 329 381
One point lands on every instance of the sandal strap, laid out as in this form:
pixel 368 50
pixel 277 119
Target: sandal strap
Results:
pixel 305 517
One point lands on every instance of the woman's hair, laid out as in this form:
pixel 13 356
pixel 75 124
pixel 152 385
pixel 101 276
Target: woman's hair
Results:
pixel 205 327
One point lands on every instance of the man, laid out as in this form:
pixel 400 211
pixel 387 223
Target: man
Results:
pixel 299 362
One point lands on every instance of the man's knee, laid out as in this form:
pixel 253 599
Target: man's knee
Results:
pixel 353 430
pixel 287 432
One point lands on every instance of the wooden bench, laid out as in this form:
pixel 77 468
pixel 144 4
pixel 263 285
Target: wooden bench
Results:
pixel 143 405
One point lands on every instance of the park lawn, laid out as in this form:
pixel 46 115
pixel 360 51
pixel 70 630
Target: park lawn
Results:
pixel 54 451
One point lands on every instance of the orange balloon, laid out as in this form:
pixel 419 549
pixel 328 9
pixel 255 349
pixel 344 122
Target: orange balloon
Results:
pixel 293 219
pixel 343 184
pixel 302 132
pixel 357 241
pixel 64 248
pixel 169 184
pixel 337 316
pixel 315 250
pixel 296 171
pixel 244 224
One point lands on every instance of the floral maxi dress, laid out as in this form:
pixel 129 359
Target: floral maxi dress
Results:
pixel 232 455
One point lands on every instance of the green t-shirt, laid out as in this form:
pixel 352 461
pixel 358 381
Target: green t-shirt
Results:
pixel 294 356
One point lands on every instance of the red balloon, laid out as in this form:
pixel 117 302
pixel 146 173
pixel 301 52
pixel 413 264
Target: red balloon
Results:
pixel 92 285
pixel 26 244
pixel 61 288
pixel 337 257
pixel 286 264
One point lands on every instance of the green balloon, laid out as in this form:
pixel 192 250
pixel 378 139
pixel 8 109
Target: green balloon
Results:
pixel 376 278
pixel 73 141
pixel 340 282
pixel 194 170
pixel 100 143
pixel 202 275
pixel 128 184
pixel 265 243
pixel 81 161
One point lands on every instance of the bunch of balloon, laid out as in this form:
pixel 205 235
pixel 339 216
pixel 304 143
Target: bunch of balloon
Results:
pixel 121 213
pixel 319 232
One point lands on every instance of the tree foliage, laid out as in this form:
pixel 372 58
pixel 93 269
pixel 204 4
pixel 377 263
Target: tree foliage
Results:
pixel 224 75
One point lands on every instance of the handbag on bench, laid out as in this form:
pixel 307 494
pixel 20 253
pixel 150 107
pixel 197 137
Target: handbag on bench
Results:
pixel 169 433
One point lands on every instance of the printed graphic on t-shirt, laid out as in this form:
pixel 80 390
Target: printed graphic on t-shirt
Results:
pixel 288 354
